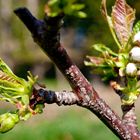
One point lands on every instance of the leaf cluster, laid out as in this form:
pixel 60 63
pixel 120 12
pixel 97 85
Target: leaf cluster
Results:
pixel 67 7
pixel 17 91
pixel 116 66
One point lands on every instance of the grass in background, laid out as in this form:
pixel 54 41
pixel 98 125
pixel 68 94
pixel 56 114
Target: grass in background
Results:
pixel 69 126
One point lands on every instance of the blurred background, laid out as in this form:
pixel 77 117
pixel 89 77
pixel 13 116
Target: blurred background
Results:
pixel 19 51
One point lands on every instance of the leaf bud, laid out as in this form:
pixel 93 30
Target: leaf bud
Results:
pixel 8 121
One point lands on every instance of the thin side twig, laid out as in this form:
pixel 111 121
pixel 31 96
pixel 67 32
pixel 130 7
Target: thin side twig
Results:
pixel 42 95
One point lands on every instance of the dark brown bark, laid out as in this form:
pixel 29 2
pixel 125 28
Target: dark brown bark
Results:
pixel 46 35
pixel 42 95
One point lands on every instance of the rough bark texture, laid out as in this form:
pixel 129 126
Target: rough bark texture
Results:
pixel 46 35
pixel 42 95
pixel 130 120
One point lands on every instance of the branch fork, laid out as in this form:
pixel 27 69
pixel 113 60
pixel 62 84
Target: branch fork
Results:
pixel 46 33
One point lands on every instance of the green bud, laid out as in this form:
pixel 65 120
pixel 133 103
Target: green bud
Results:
pixel 129 98
pixel 8 121
pixel 39 108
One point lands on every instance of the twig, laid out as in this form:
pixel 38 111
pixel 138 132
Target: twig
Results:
pixel 46 35
pixel 42 95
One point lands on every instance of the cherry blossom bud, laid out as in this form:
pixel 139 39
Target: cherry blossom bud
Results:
pixel 136 37
pixel 135 54
pixel 131 69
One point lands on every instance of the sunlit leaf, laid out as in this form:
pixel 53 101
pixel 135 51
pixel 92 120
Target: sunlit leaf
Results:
pixel 5 68
pixel 109 21
pixel 68 7
pixel 77 6
pixel 123 17
pixel 102 48
pixel 136 28
pixel 80 14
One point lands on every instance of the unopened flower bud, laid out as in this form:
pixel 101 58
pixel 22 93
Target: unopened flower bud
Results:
pixel 135 54
pixel 136 37
pixel 131 69
pixel 8 121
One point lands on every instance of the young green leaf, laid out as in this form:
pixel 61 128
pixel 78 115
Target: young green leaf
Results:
pixel 77 7
pixel 5 68
pixel 136 28
pixel 68 7
pixel 109 21
pixel 102 48
pixel 123 17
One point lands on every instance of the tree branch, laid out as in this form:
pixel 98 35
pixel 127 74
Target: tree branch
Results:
pixel 130 119
pixel 46 35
